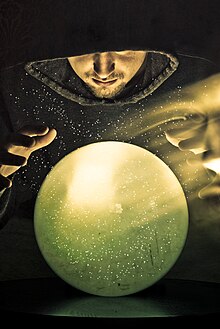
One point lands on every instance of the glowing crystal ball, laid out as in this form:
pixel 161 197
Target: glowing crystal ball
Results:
pixel 111 219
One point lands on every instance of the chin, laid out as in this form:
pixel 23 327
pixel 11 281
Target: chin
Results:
pixel 108 94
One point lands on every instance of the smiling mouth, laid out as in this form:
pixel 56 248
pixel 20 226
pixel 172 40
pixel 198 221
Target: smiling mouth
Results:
pixel 104 83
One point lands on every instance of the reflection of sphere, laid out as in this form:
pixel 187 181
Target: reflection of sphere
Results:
pixel 111 219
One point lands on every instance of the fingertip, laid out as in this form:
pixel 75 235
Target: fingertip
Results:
pixel 192 162
pixel 43 129
pixel 53 131
pixel 24 162
pixel 197 117
pixel 181 148
pixel 209 193
pixel 9 183
pixel 166 133
pixel 182 145
pixel 32 142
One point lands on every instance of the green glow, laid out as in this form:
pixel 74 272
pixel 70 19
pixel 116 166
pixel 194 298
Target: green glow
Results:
pixel 111 219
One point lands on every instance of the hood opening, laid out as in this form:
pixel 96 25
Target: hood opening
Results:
pixel 60 77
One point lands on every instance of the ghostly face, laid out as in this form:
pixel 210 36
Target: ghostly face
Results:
pixel 107 73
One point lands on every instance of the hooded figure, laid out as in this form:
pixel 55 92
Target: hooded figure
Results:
pixel 52 92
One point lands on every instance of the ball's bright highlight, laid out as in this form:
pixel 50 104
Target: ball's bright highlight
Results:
pixel 111 219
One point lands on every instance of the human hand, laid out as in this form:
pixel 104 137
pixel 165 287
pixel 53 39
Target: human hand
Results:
pixel 200 134
pixel 17 147
pixel 189 135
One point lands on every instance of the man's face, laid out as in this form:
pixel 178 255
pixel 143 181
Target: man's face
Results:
pixel 107 73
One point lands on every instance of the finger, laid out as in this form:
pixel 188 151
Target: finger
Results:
pixel 173 140
pixel 212 136
pixel 193 117
pixel 45 140
pixel 34 130
pixel 19 140
pixel 186 131
pixel 211 190
pixel 10 159
pixel 188 128
pixel 194 160
pixel 4 182
pixel 194 144
pixel 197 117
pixel 175 136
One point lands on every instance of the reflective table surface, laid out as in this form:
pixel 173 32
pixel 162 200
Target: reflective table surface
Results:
pixel 53 299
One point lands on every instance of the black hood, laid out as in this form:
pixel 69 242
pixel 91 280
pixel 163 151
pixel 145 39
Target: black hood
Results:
pixel 59 76
pixel 36 30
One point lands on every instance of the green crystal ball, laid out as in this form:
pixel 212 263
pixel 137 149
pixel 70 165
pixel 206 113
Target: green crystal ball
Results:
pixel 111 219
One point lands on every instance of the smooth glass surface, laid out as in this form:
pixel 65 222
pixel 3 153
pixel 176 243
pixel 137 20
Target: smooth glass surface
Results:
pixel 111 219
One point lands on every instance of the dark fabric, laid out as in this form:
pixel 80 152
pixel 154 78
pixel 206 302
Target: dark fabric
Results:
pixel 59 76
pixel 27 101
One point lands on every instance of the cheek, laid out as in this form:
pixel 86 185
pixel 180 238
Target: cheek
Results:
pixel 133 65
pixel 82 67
pixel 130 69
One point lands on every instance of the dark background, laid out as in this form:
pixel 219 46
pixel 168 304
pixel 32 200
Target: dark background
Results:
pixel 51 28
pixel 41 29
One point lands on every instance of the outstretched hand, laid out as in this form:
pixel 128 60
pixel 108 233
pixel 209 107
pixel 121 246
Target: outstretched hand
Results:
pixel 201 135
pixel 17 147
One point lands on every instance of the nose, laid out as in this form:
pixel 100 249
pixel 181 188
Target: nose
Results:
pixel 103 65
